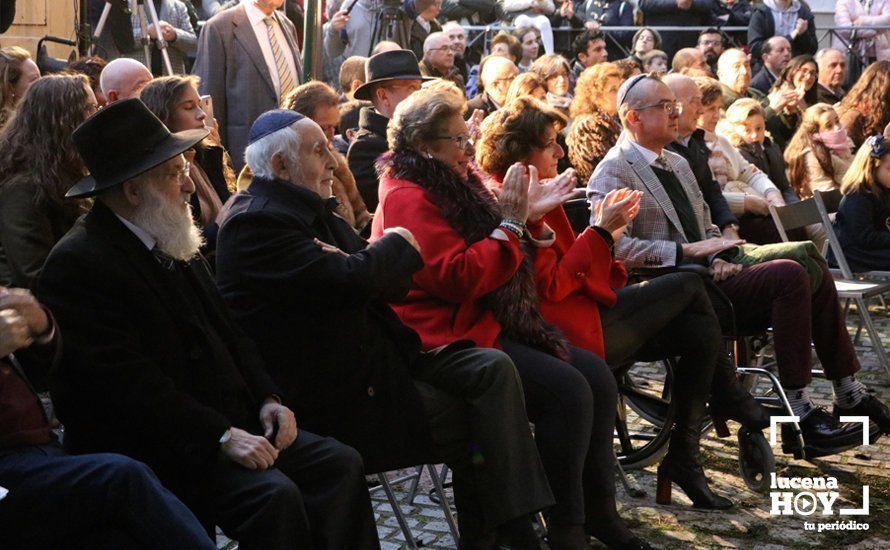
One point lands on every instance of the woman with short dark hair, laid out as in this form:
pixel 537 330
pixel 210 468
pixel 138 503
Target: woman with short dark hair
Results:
pixel 38 164
pixel 583 293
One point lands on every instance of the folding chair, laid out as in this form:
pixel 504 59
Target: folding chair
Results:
pixel 386 485
pixel 831 201
pixel 812 211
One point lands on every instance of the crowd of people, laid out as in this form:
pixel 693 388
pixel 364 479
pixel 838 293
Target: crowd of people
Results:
pixel 243 293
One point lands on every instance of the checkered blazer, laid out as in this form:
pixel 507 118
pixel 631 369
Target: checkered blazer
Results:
pixel 650 240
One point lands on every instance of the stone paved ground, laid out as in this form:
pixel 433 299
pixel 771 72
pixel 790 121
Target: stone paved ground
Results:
pixel 749 525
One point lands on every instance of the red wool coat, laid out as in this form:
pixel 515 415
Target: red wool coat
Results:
pixel 575 276
pixel 444 304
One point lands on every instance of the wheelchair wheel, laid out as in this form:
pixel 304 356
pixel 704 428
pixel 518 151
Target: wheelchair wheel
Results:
pixel 756 460
pixel 644 409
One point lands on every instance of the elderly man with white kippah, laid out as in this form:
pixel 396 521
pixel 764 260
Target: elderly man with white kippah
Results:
pixel 315 295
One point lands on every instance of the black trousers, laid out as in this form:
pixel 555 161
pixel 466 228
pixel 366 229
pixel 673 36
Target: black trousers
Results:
pixel 315 497
pixel 670 315
pixel 572 406
pixel 473 398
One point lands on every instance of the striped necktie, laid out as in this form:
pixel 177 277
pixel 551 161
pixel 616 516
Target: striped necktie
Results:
pixel 285 78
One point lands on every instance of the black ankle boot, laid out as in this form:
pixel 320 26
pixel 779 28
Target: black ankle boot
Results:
pixel 681 466
pixel 604 523
pixel 568 537
pixel 519 534
pixel 731 401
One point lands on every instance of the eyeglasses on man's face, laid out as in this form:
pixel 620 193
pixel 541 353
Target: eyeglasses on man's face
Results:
pixel 672 108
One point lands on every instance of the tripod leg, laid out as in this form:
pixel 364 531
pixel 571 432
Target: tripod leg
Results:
pixel 162 44
pixel 99 28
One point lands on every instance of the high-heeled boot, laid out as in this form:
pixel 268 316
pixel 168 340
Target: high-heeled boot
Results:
pixel 731 401
pixel 681 466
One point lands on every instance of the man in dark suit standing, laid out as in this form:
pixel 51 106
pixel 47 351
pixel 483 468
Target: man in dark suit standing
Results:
pixel 678 13
pixel 156 369
pixel 314 296
pixel 248 60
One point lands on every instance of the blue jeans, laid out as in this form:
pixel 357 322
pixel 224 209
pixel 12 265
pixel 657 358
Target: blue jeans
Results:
pixel 57 500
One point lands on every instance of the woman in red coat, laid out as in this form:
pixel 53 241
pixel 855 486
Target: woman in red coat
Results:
pixel 478 284
pixel 667 316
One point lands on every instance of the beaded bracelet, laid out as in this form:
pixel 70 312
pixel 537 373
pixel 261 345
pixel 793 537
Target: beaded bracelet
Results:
pixel 516 229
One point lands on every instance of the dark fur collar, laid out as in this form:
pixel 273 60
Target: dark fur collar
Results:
pixel 472 210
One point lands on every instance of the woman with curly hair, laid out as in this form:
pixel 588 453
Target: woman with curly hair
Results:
pixel 583 293
pixel 865 111
pixel 17 72
pixel 594 128
pixel 819 153
pixel 175 100
pixel 38 164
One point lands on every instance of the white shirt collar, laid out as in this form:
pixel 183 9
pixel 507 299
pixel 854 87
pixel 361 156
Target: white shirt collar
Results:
pixel 685 140
pixel 648 155
pixel 142 234
pixel 254 14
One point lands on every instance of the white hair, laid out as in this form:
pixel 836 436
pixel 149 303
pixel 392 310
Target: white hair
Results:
pixel 118 72
pixel 820 55
pixel 284 142
pixel 171 225
pixel 431 40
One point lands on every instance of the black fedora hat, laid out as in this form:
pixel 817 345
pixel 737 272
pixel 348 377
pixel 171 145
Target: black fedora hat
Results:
pixel 122 141
pixel 391 65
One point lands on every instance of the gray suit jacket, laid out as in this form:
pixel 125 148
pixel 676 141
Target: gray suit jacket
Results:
pixel 234 72
pixel 650 240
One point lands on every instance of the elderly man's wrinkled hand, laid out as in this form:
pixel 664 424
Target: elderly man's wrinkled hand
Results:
pixel 14 332
pixel 25 304
pixel 274 414
pixel 254 452
pixel 405 234
pixel 721 270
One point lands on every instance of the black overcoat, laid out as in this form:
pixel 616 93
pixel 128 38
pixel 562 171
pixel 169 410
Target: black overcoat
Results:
pixel 141 372
pixel 339 353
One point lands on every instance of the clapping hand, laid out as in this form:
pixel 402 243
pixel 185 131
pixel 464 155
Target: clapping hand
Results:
pixel 474 123
pixel 617 209
pixel 513 198
pixel 545 195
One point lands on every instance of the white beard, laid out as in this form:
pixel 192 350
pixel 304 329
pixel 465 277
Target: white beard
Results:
pixel 170 224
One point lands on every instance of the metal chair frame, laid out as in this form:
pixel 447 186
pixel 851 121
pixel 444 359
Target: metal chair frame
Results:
pixel 387 484
pixel 812 211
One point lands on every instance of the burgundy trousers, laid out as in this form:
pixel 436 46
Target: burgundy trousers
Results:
pixel 777 294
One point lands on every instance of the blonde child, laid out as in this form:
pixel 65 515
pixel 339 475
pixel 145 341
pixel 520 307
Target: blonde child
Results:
pixel 863 219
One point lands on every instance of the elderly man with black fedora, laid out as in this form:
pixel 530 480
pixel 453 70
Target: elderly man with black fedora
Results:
pixel 391 77
pixel 314 296
pixel 155 368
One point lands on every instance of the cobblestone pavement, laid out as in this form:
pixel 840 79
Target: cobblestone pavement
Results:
pixel 749 524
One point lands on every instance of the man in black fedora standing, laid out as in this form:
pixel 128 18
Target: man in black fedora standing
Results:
pixel 391 77
pixel 155 368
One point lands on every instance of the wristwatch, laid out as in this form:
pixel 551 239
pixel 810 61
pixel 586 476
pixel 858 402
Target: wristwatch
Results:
pixel 733 226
